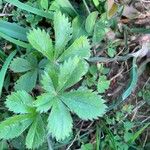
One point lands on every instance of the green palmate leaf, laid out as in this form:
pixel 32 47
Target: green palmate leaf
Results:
pixel 67 7
pixel 47 83
pixel 14 126
pixel 80 48
pixel 78 25
pixel 71 72
pixel 90 22
pixel 41 41
pixel 20 102
pixel 27 81
pixel 85 103
pixel 20 65
pixel 4 69
pixel 36 134
pixel 44 4
pixel 44 102
pixel 53 71
pixel 63 32
pixel 103 84
pixel 59 121
pixel 43 63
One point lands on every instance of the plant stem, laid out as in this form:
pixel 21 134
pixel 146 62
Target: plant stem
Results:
pixel 49 143
pixel 86 6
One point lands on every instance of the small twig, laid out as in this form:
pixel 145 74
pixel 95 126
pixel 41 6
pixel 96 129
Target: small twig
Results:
pixel 107 60
pixel 2 15
pixel 88 126
pixel 117 75
pixel 135 110
pixel 5 7
pixel 146 119
pixel 68 148
pixel 146 82
pixel 145 139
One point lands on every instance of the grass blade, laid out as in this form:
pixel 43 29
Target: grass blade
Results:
pixel 110 135
pixel 2 54
pixel 4 69
pixel 30 9
pixel 17 42
pixel 137 134
pixel 140 30
pixel 134 76
pixel 13 30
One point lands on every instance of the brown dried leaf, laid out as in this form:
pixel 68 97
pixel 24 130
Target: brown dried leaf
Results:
pixel 112 8
pixel 130 12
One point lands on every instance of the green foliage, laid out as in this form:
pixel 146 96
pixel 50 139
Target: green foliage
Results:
pixel 103 84
pixel 78 25
pixel 124 135
pixel 21 103
pixel 36 133
pixel 14 126
pixel 90 22
pixel 59 121
pixel 30 9
pixel 63 32
pixel 44 4
pixel 3 144
pixel 80 47
pixel 4 69
pixel 100 30
pixel 64 6
pixel 145 93
pixel 16 102
pixel 13 30
pixel 59 101
pixel 112 45
pixel 88 146
pixel 71 72
pixel 31 69
pixel 81 100
pixel 64 49
pixel 41 41
pixel 66 66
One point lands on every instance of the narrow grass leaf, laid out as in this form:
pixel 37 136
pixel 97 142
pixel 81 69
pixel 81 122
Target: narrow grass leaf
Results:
pixel 134 76
pixel 4 69
pixel 13 30
pixel 137 134
pixel 17 42
pixel 30 9
pixel 2 54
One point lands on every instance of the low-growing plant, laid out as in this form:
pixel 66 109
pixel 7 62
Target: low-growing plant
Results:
pixel 66 67
pixel 32 71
